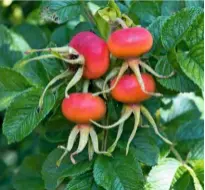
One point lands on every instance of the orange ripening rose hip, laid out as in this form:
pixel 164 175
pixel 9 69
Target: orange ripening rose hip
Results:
pixel 130 42
pixel 81 107
pixel 128 89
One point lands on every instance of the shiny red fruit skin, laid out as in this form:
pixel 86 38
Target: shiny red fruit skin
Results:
pixel 95 51
pixel 129 91
pixel 130 42
pixel 81 107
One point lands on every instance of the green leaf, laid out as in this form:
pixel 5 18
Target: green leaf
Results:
pixel 191 67
pixel 191 130
pixel 82 182
pixel 58 134
pixel 34 17
pixel 110 173
pixel 52 66
pixel 178 82
pixel 61 35
pixel 184 181
pixel 145 149
pixel 61 11
pixel 12 84
pixel 34 71
pixel 102 25
pixel 178 109
pixel 8 57
pixel 198 167
pixel 82 26
pixel 197 184
pixel 146 11
pixel 195 34
pixel 22 116
pixel 161 176
pixel 101 3
pixel 15 41
pixel 155 29
pixel 113 5
pixel 197 152
pixel 40 40
pixel 54 175
pixel 170 7
pixel 176 27
pixel 195 3
pixel 29 176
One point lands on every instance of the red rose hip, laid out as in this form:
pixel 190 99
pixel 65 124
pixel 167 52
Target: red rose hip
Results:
pixel 128 89
pixel 83 107
pixel 95 51
pixel 130 42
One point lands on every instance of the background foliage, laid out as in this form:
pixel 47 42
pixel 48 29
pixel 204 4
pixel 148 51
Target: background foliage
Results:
pixel 28 140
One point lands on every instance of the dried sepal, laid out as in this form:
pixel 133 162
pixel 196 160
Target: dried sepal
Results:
pixel 78 75
pixel 71 140
pixel 119 133
pixel 65 54
pixel 149 69
pixel 64 49
pixel 148 116
pixel 90 150
pixel 52 82
pixel 136 112
pixel 94 139
pixel 123 68
pixel 135 68
pixel 126 114
pixel 84 135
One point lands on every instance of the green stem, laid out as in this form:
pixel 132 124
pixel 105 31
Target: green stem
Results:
pixel 86 86
pixel 177 155
pixel 189 169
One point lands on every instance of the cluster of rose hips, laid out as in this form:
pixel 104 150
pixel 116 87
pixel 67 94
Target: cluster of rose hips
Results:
pixel 91 54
